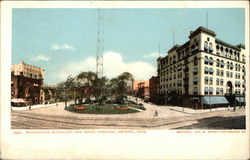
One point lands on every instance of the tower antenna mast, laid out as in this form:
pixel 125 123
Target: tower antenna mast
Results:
pixel 100 45
pixel 99 51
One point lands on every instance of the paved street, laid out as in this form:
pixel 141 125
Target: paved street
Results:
pixel 169 117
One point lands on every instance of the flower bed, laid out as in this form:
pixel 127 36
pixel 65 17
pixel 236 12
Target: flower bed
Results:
pixel 122 108
pixel 80 108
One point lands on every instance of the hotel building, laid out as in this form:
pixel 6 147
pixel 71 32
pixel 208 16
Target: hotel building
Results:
pixel 26 83
pixel 203 67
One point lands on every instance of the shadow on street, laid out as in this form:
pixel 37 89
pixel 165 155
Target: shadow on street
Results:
pixel 218 122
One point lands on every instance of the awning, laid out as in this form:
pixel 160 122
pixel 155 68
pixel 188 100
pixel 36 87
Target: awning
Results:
pixel 206 69
pixel 18 100
pixel 214 100
pixel 241 99
pixel 222 63
pixel 195 79
pixel 195 98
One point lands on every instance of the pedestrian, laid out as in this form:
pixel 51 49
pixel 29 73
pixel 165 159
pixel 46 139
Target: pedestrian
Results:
pixel 30 107
pixel 56 104
pixel 228 107
pixel 156 113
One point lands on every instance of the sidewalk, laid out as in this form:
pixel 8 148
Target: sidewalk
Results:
pixel 194 111
pixel 25 108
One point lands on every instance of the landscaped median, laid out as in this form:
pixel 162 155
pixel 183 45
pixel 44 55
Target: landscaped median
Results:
pixel 104 109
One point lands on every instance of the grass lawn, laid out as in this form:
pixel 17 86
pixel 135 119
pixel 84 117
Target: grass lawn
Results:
pixel 106 109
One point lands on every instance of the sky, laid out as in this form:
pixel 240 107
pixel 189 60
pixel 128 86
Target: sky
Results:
pixel 63 41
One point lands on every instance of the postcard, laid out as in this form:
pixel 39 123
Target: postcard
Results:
pixel 124 80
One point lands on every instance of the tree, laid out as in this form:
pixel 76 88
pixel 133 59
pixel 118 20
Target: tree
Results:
pixel 68 85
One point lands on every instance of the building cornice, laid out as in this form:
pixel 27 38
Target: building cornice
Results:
pixel 227 44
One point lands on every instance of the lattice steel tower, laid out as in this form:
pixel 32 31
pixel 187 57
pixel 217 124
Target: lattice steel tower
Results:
pixel 100 44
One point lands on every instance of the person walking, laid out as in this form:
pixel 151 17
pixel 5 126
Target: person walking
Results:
pixel 30 107
pixel 156 113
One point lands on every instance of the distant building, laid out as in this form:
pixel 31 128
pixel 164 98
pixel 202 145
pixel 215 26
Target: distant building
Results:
pixel 204 68
pixel 26 82
pixel 142 90
pixel 154 89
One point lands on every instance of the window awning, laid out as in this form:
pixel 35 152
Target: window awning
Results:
pixel 195 79
pixel 217 89
pixel 206 89
pixel 241 99
pixel 211 89
pixel 206 78
pixel 206 69
pixel 214 100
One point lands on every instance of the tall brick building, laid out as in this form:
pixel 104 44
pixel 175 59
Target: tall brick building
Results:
pixel 26 82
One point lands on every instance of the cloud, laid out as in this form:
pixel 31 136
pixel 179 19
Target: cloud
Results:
pixel 40 57
pixel 62 47
pixel 113 66
pixel 152 55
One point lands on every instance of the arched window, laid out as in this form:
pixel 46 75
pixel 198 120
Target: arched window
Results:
pixel 221 48
pixel 211 61
pixel 222 64
pixel 210 47
pixel 206 47
pixel 228 65
pixel 206 61
pixel 195 61
pixel 206 80
pixel 217 62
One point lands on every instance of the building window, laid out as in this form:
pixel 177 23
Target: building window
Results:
pixel 206 90
pixel 210 48
pixel 206 46
pixel 206 61
pixel 222 73
pixel 195 90
pixel 195 61
pixel 228 65
pixel 211 81
pixel 206 80
pixel 231 66
pixel 231 74
pixel 217 91
pixel 195 72
pixel 222 64
pixel 217 81
pixel 206 70
pixel 221 91
pixel 211 71
pixel 217 72
pixel 217 62
pixel 195 80
pixel 236 67
pixel 227 73
pixel 211 90
pixel 211 61
pixel 221 82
